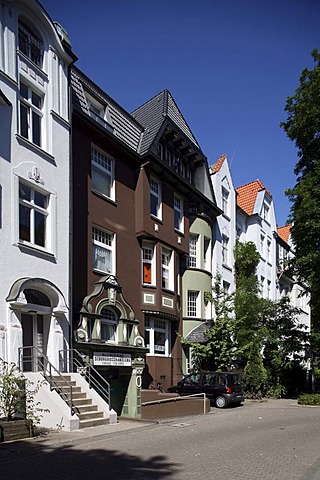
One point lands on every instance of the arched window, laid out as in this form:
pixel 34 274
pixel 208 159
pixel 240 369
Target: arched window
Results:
pixel 36 297
pixel 109 324
pixel 30 42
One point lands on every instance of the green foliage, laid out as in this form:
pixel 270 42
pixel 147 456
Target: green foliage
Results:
pixel 303 127
pixel 250 308
pixel 309 399
pixel 254 375
pixel 17 395
pixel 219 350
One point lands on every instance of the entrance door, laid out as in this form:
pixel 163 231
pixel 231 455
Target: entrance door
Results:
pixel 32 331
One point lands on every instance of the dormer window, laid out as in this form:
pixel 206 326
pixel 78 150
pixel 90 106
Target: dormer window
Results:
pixel 266 212
pixel 30 43
pixel 99 112
pixel 224 200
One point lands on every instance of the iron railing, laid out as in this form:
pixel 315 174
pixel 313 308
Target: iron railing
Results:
pixel 72 361
pixel 33 359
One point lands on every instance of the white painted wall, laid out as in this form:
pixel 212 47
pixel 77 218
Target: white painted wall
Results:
pixel 46 169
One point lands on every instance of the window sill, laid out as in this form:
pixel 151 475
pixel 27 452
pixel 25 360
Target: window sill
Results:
pixel 101 272
pixel 158 219
pixel 147 285
pixel 227 267
pixel 104 197
pixel 226 217
pixel 180 232
pixel 30 247
pixel 25 142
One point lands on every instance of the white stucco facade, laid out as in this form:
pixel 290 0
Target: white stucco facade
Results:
pixel 34 182
pixel 225 227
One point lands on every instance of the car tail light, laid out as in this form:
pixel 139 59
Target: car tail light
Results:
pixel 229 390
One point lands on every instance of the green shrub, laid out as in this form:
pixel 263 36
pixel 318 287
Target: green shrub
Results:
pixel 309 399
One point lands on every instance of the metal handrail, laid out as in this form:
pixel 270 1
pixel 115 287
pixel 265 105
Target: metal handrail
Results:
pixel 74 361
pixel 176 399
pixel 45 367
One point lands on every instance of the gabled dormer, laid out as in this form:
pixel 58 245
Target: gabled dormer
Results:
pixel 168 137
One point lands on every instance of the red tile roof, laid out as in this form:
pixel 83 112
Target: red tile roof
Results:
pixel 284 233
pixel 216 167
pixel 247 194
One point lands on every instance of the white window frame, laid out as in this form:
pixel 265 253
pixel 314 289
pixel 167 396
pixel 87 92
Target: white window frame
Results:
pixel 103 164
pixel 167 269
pixel 268 250
pixel 193 260
pixel 178 213
pixel 103 241
pixel 109 321
pixel 33 112
pixel 207 253
pixel 262 242
pixel 155 194
pixel 192 307
pixel 149 257
pixel 32 40
pixel 225 249
pixel 162 326
pixel 224 200
pixel 34 209
pixel 266 212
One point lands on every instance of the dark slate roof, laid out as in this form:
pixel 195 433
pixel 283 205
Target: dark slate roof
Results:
pixel 153 113
pixel 124 126
pixel 197 334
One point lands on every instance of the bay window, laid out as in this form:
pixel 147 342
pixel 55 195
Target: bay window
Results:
pixel 148 264
pixel 178 213
pixel 155 198
pixel 167 274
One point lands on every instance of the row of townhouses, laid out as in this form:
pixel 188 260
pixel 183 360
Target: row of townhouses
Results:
pixel 112 224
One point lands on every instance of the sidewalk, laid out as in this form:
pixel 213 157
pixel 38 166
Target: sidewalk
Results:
pixel 84 435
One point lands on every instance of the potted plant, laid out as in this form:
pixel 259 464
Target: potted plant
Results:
pixel 18 410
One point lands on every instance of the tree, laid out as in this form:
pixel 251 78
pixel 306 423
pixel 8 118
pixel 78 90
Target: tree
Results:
pixel 218 351
pixel 284 346
pixel 249 306
pixel 303 127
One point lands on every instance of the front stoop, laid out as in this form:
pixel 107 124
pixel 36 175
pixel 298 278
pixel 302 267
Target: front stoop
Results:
pixel 88 413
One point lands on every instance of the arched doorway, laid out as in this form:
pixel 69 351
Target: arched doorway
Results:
pixel 35 325
pixel 38 324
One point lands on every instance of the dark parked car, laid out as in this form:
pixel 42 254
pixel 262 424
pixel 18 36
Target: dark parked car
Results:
pixel 223 389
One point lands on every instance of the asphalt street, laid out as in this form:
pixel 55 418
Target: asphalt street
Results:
pixel 271 440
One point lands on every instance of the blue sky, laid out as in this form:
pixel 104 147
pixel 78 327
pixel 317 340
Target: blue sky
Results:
pixel 230 65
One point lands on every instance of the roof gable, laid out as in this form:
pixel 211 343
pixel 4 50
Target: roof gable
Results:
pixel 284 233
pixel 247 195
pixel 152 114
pixel 217 166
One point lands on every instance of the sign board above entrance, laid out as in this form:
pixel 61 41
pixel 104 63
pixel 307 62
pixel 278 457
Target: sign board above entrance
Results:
pixel 112 359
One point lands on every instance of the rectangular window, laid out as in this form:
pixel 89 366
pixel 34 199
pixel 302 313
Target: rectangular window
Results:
pixel 262 239
pixel 109 325
pixel 103 254
pixel 102 173
pixel 30 43
pixel 30 114
pixel 148 264
pixel 224 200
pixel 193 208
pixel 225 249
pixel 33 216
pixel 192 303
pixel 193 250
pixel 268 288
pixel 167 274
pixel 155 198
pixel 157 336
pixel 262 279
pixel 268 250
pixel 178 213
pixel 266 212
pixel 207 253
pixel 226 286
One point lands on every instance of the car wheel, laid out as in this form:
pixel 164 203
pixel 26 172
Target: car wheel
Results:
pixel 221 401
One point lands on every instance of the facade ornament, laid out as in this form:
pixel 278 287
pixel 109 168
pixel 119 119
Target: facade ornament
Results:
pixel 35 175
